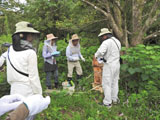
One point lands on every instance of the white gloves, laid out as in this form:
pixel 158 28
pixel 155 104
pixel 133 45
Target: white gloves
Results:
pixel 100 61
pixel 10 102
pixel 37 103
pixel 75 58
pixel 82 58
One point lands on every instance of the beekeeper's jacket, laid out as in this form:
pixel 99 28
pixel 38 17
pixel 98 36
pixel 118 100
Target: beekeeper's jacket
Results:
pixel 73 51
pixel 26 62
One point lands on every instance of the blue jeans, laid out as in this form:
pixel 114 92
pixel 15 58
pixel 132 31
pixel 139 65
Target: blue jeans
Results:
pixel 49 75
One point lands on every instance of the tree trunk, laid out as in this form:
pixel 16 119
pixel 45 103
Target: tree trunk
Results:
pixel 137 22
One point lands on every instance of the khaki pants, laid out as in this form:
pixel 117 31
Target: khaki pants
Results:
pixel 72 65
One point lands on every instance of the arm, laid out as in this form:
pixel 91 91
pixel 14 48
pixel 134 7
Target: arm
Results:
pixel 3 58
pixel 32 105
pixel 102 50
pixel 10 102
pixel 33 73
pixel 81 57
pixel 79 54
pixel 45 53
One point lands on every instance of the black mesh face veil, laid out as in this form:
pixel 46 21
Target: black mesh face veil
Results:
pixel 25 41
pixel 16 43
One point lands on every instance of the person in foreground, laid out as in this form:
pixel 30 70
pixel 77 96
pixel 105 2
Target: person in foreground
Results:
pixel 22 108
pixel 21 59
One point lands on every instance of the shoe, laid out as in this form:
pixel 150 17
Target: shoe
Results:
pixel 56 85
pixel 116 102
pixel 79 77
pixel 108 106
pixel 69 81
pixel 49 87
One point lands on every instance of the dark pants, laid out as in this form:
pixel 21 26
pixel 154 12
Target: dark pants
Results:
pixel 49 75
pixel 51 71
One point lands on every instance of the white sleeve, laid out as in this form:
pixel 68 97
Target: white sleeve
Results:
pixel 3 58
pixel 33 73
pixel 102 50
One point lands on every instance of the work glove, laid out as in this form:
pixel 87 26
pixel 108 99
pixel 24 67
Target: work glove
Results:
pixel 82 58
pixel 37 103
pixel 56 53
pixel 10 102
pixel 75 58
pixel 100 60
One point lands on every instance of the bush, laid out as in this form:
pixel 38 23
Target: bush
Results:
pixel 5 88
pixel 140 80
pixel 141 65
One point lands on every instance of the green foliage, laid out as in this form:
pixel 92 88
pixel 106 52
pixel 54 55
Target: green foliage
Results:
pixel 79 106
pixel 141 66
pixel 3 77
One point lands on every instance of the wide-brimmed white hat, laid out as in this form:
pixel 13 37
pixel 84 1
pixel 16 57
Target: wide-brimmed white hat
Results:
pixel 104 31
pixel 51 37
pixel 25 27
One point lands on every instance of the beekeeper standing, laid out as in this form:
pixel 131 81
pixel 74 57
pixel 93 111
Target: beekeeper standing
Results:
pixel 110 52
pixel 50 64
pixel 21 59
pixel 73 53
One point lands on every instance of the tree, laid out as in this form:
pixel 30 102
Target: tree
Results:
pixel 129 19
pixel 11 12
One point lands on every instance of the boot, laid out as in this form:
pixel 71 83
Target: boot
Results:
pixel 56 85
pixel 49 87
pixel 78 78
pixel 69 80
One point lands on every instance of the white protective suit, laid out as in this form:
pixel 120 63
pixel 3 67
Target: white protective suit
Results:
pixel 111 69
pixel 26 62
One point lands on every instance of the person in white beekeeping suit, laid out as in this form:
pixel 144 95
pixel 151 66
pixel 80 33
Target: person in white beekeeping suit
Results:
pixel 21 59
pixel 110 52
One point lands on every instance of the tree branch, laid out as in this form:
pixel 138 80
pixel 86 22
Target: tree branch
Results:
pixel 153 35
pixel 110 18
pixel 97 8
pixel 151 18
pixel 117 3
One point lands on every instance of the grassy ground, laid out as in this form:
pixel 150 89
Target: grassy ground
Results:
pixel 80 106
pixel 84 106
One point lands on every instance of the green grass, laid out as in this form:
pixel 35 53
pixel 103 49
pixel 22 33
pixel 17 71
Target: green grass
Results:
pixel 79 106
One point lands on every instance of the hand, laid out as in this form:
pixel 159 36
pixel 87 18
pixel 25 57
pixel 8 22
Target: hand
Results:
pixel 37 103
pixel 10 102
pixel 100 60
pixel 75 58
pixel 83 59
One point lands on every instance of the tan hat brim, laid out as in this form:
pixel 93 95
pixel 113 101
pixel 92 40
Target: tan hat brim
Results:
pixel 75 39
pixel 103 34
pixel 53 38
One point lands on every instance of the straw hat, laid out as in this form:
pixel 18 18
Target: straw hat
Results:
pixel 25 27
pixel 75 37
pixel 104 31
pixel 51 36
